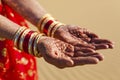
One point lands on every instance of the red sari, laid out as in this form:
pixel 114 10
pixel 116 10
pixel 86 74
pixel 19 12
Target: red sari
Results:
pixel 14 64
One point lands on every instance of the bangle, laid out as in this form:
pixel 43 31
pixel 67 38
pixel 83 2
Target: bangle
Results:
pixel 45 23
pixel 35 50
pixel 32 37
pixel 42 19
pixel 49 25
pixel 27 40
pixel 22 39
pixel 17 34
pixel 55 28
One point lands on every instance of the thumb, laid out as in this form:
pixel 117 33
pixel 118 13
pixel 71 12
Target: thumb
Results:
pixel 69 61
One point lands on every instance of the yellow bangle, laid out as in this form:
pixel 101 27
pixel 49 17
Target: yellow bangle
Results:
pixel 31 42
pixel 35 50
pixel 17 34
pixel 55 28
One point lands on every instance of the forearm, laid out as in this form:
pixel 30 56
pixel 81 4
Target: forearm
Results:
pixel 7 28
pixel 29 9
pixel 23 38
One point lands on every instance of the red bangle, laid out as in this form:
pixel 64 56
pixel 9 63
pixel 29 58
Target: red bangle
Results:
pixel 47 25
pixel 26 40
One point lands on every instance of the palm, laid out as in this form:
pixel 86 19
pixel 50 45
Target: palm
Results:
pixel 81 37
pixel 63 55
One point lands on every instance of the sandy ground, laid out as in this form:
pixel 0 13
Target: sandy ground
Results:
pixel 101 17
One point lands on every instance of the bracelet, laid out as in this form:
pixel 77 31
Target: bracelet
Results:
pixel 55 28
pixel 42 19
pixel 27 40
pixel 35 50
pixel 17 34
pixel 46 23
pixel 49 25
pixel 22 39
pixel 32 38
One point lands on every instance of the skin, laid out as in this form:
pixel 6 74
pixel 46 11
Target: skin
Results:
pixel 83 46
pixel 54 51
pixel 62 55
pixel 70 34
pixel 81 37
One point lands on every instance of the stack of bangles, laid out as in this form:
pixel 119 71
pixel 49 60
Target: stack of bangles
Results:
pixel 26 40
pixel 48 25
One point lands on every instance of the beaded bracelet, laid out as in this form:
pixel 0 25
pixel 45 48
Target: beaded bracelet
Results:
pixel 27 40
pixel 48 25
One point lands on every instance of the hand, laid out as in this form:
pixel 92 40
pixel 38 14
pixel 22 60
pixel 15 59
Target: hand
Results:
pixel 61 54
pixel 81 37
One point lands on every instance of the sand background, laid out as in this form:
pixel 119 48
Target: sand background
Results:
pixel 99 16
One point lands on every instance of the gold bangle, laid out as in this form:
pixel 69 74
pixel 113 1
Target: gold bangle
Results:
pixel 55 28
pixel 31 42
pixel 38 37
pixel 17 34
pixel 44 22
pixel 51 26
pixel 22 39
pixel 41 20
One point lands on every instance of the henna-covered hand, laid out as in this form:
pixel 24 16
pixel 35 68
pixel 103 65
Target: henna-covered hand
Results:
pixel 81 37
pixel 61 54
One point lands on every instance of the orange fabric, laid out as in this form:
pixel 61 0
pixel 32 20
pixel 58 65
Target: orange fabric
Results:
pixel 14 64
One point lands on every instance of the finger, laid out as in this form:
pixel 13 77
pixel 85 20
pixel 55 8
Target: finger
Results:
pixel 78 54
pixel 91 35
pixel 72 40
pixel 70 54
pixel 99 56
pixel 101 46
pixel 69 50
pixel 82 36
pixel 84 60
pixel 98 41
pixel 84 50
pixel 85 45
pixel 81 54
pixel 64 62
pixel 86 39
pixel 111 46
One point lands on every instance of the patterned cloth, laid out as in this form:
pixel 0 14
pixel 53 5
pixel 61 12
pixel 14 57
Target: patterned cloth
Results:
pixel 14 64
